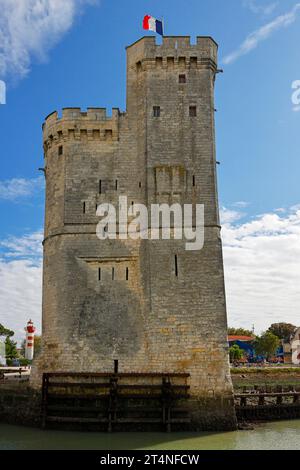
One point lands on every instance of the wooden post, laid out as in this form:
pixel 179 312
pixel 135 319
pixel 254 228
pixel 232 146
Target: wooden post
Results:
pixel 45 385
pixel 166 398
pixel 296 397
pixel 112 403
pixel 261 399
pixel 279 398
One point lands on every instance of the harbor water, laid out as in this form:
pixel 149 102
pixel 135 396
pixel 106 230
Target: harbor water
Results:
pixel 282 435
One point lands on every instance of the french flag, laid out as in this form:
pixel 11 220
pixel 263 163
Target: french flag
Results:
pixel 152 24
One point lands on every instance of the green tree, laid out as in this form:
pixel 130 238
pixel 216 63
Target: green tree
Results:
pixel 239 332
pixel 23 348
pixel 6 332
pixel 267 344
pixel 235 353
pixel 11 349
pixel 282 330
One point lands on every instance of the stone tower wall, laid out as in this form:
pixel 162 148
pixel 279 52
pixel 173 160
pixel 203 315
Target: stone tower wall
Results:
pixel 129 299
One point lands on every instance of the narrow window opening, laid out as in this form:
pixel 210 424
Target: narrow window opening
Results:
pixel 193 61
pixel 182 62
pixel 116 366
pixel 182 78
pixel 116 185
pixel 193 111
pixel 113 274
pixel 127 274
pixel 139 66
pixel 99 274
pixel 176 266
pixel 132 203
pixel 194 180
pixel 108 134
pixel 100 186
pixel 156 111
pixel 83 208
pixel 83 134
pixel 60 150
pixel 140 184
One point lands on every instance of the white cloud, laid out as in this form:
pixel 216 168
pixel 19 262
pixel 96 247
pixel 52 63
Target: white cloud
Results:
pixel 28 246
pixel 263 33
pixel 257 8
pixel 241 204
pixel 21 282
pixel 31 28
pixel 17 188
pixel 20 295
pixel 227 216
pixel 262 270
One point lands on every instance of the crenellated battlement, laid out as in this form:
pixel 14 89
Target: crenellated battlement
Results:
pixel 176 49
pixel 76 124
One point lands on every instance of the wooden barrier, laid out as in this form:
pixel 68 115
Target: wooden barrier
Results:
pixel 111 401
pixel 267 404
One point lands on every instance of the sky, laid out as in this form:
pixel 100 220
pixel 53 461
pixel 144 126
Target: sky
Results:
pixel 55 54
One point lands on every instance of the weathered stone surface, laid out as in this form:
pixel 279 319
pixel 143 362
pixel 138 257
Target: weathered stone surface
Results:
pixel 20 404
pixel 155 321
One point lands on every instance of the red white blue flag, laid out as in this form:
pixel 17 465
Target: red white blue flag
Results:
pixel 152 24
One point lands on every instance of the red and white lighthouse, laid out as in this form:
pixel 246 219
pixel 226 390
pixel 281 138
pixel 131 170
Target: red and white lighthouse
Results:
pixel 29 345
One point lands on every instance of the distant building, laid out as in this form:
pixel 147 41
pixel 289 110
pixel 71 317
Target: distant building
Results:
pixel 244 342
pixel 291 348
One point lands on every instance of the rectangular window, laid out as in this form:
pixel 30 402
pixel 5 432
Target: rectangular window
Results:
pixel 127 274
pixel 193 111
pixel 182 78
pixel 108 134
pixel 116 185
pixel 113 274
pixel 193 61
pixel 83 207
pixel 176 266
pixel 194 180
pixel 60 150
pixel 182 62
pixel 156 111
pixel 100 186
pixel 99 274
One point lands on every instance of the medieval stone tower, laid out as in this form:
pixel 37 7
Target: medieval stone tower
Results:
pixel 149 304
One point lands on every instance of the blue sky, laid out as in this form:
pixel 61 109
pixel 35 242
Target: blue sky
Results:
pixel 54 58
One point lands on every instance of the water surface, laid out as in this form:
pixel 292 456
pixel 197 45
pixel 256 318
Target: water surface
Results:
pixel 282 435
